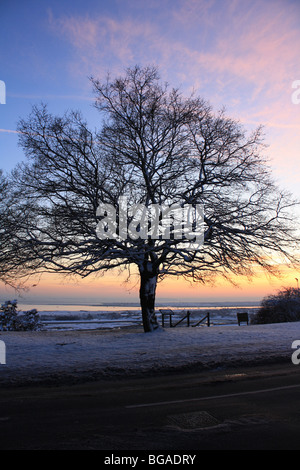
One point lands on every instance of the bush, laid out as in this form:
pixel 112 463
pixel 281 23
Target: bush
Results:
pixel 10 320
pixel 281 307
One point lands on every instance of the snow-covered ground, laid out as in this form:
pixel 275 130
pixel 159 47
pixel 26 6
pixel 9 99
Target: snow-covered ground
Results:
pixel 64 356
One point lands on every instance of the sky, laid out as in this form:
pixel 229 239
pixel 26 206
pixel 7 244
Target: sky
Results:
pixel 239 54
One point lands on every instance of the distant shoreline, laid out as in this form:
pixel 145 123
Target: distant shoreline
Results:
pixel 134 305
pixel 117 317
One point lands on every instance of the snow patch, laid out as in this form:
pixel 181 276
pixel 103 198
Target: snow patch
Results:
pixel 35 356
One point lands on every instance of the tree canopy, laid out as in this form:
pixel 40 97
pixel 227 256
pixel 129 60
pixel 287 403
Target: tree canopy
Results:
pixel 155 147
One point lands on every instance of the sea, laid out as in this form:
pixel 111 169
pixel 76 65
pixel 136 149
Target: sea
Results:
pixel 120 315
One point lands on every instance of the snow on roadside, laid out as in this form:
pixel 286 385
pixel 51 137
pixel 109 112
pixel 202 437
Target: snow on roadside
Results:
pixel 58 356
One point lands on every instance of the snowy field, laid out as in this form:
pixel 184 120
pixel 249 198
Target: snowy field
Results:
pixel 74 356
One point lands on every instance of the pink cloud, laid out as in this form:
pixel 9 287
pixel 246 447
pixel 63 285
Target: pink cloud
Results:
pixel 236 42
pixel 255 44
pixel 102 40
pixel 81 32
pixel 234 51
pixel 9 131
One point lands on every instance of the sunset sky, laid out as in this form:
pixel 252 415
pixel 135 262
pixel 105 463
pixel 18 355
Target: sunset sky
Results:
pixel 240 54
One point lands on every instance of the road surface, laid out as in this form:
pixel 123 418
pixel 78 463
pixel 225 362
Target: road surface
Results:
pixel 241 409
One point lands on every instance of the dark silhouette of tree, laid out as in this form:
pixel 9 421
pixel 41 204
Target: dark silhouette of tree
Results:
pixel 155 147
pixel 3 231
pixel 284 306
pixel 6 229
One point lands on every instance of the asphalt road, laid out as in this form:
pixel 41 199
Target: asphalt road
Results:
pixel 238 409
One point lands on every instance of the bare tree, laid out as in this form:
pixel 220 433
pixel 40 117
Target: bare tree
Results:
pixel 3 209
pixel 156 148
pixel 6 229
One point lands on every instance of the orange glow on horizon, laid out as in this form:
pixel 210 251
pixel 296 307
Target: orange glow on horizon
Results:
pixel 113 287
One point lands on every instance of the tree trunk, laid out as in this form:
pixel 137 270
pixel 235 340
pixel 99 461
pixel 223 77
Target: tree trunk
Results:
pixel 147 299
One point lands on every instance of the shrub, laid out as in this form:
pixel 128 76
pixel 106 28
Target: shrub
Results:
pixel 281 307
pixel 10 320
